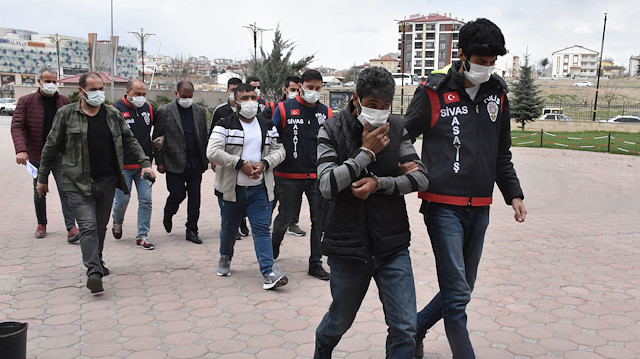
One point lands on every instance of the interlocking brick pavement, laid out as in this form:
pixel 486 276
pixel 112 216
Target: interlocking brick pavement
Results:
pixel 565 284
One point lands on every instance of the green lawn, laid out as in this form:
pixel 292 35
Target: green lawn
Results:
pixel 596 141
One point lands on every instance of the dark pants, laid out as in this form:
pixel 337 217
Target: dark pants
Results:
pixel 40 203
pixel 178 185
pixel 92 213
pixel 289 192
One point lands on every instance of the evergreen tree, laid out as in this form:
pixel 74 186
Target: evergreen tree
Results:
pixel 526 105
pixel 273 69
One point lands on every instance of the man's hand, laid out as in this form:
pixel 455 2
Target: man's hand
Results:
pixel 363 187
pixel 148 170
pixel 409 167
pixel 377 139
pixel 247 168
pixel 158 142
pixel 22 158
pixel 160 168
pixel 213 166
pixel 43 188
pixel 518 207
pixel 258 168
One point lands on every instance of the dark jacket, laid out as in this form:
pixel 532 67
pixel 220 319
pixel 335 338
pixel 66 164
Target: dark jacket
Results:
pixel 173 155
pixel 353 227
pixel 27 123
pixel 69 137
pixel 139 121
pixel 298 127
pixel 466 144
pixel 221 111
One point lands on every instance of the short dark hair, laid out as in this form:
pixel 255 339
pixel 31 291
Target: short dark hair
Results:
pixel 376 82
pixel 183 83
pixel 250 79
pixel 481 37
pixel 311 75
pixel 233 81
pixel 243 88
pixel 83 79
pixel 294 79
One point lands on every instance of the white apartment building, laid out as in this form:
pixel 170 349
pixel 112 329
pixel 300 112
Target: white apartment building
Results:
pixel 634 66
pixel 430 42
pixel 575 61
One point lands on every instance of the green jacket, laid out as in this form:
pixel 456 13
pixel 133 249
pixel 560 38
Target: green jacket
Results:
pixel 69 136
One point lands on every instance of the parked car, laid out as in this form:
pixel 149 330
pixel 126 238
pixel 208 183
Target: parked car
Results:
pixel 554 117
pixel 583 84
pixel 7 106
pixel 349 84
pixel 625 119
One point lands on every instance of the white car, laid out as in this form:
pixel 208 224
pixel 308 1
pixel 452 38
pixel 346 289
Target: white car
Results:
pixel 583 84
pixel 554 117
pixel 625 119
pixel 7 106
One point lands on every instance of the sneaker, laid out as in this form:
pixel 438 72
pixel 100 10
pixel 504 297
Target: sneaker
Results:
pixel 73 235
pixel 244 230
pixel 223 266
pixel 295 230
pixel 274 279
pixel 41 231
pixel 94 283
pixel 238 236
pixel 318 272
pixel 117 230
pixel 144 243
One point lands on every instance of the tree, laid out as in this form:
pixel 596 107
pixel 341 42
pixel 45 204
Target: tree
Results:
pixel 544 63
pixel 273 69
pixel 526 105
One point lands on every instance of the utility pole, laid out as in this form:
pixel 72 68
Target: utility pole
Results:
pixel 402 23
pixel 113 55
pixel 595 103
pixel 142 37
pixel 56 40
pixel 255 29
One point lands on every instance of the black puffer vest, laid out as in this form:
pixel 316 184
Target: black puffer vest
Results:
pixel 357 228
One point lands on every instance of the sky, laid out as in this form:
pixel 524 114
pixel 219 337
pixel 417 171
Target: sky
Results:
pixel 338 33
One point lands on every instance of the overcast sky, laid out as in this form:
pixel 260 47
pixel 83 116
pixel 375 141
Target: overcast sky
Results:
pixel 339 33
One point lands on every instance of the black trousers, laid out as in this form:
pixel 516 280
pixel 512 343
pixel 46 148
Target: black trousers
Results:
pixel 179 185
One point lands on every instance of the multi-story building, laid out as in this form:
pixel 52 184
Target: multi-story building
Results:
pixel 388 62
pixel 634 66
pixel 430 42
pixel 575 61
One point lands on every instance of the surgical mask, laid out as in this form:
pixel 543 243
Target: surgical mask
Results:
pixel 376 118
pixel 185 102
pixel 310 96
pixel 94 98
pixel 49 88
pixel 232 96
pixel 292 95
pixel 258 92
pixel 477 74
pixel 137 101
pixel 248 109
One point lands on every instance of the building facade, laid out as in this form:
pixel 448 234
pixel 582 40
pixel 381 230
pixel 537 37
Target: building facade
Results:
pixel 575 61
pixel 387 62
pixel 430 42
pixel 634 66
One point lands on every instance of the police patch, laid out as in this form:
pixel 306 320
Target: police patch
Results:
pixel 321 117
pixel 147 117
pixel 492 108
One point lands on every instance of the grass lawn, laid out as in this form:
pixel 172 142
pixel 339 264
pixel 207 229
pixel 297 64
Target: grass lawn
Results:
pixel 597 141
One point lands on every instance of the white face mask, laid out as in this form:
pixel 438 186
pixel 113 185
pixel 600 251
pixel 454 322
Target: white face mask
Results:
pixel 376 118
pixel 292 95
pixel 49 88
pixel 185 102
pixel 477 74
pixel 258 92
pixel 94 98
pixel 310 96
pixel 248 109
pixel 137 101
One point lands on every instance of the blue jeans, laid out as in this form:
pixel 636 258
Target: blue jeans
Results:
pixel 255 203
pixel 350 280
pixel 144 202
pixel 457 237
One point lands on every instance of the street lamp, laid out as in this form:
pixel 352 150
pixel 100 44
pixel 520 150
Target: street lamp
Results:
pixel 595 103
pixel 142 37
pixel 255 29
pixel 56 40
pixel 402 23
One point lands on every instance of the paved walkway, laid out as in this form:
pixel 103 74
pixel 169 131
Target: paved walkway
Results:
pixel 565 284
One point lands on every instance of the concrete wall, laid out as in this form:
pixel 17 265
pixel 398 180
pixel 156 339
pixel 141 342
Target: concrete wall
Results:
pixel 211 98
pixel 577 126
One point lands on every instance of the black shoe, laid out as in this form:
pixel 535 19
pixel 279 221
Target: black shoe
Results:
pixel 319 272
pixel 321 353
pixel 244 230
pixel 193 237
pixel 94 283
pixel 105 271
pixel 166 221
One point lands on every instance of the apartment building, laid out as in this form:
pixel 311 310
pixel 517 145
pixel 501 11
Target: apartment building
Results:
pixel 575 61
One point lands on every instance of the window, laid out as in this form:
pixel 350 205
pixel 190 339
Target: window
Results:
pixel 428 63
pixel 419 27
pixel 429 45
pixel 456 27
pixel 429 54
pixel 575 60
pixel 418 63
pixel 419 36
pixel 418 54
pixel 558 62
pixel 442 55
pixel 566 59
pixel 430 27
pixel 430 35
pixel 454 54
pixel 443 45
pixel 418 45
pixel 456 36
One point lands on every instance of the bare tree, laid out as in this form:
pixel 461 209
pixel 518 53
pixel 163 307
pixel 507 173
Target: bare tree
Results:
pixel 609 93
pixel 178 70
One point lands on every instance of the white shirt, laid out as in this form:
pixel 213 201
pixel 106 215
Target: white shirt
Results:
pixel 472 91
pixel 251 151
